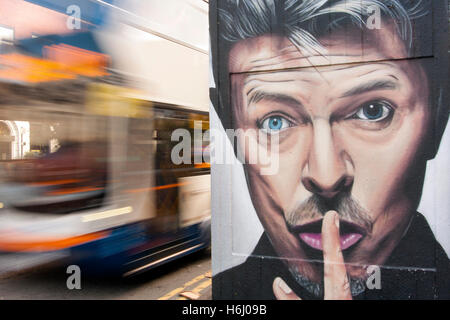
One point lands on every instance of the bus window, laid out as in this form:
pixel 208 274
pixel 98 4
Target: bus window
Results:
pixel 51 162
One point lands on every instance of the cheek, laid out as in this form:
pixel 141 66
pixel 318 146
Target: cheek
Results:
pixel 285 184
pixel 381 160
pixel 269 213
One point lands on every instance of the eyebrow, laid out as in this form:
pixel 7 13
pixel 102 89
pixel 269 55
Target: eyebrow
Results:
pixel 371 86
pixel 258 95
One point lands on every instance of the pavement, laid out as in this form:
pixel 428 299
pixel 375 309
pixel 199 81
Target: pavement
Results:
pixel 32 276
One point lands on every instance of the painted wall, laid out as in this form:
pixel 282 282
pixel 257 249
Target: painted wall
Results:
pixel 354 96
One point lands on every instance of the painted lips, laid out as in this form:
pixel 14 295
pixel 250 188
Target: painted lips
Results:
pixel 314 240
pixel 311 234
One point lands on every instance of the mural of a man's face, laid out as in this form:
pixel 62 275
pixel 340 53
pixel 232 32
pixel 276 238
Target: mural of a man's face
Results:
pixel 350 139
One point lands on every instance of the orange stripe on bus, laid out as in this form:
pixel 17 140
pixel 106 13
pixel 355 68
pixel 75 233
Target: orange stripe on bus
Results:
pixel 203 165
pixel 6 244
pixel 72 191
pixel 55 182
pixel 167 186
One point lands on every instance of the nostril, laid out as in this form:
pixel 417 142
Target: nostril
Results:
pixel 343 184
pixel 340 185
pixel 312 186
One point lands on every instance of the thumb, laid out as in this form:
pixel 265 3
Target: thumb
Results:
pixel 282 291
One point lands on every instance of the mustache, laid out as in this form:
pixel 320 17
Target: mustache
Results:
pixel 315 207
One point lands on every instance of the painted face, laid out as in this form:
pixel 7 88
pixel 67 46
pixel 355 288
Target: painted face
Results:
pixel 350 136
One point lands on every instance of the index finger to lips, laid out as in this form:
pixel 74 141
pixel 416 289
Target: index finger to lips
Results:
pixel 335 274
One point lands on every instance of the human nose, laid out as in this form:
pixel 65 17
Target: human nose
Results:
pixel 329 169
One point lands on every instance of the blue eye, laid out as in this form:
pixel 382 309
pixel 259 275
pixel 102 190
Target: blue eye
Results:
pixel 374 111
pixel 274 124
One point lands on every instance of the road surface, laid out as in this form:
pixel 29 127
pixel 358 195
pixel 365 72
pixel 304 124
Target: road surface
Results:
pixel 45 277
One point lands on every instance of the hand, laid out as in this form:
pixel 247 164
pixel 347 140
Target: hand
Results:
pixel 336 283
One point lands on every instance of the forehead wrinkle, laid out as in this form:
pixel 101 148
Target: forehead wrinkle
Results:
pixel 349 66
pixel 262 63
pixel 253 83
pixel 387 70
pixel 286 75
pixel 378 70
pixel 250 80
pixel 280 53
pixel 282 98
pixel 291 75
pixel 292 49
pixel 256 87
pixel 258 64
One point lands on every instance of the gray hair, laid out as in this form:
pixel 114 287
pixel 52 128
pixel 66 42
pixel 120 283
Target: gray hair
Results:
pixel 298 20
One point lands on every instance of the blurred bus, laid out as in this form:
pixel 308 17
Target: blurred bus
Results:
pixel 86 140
